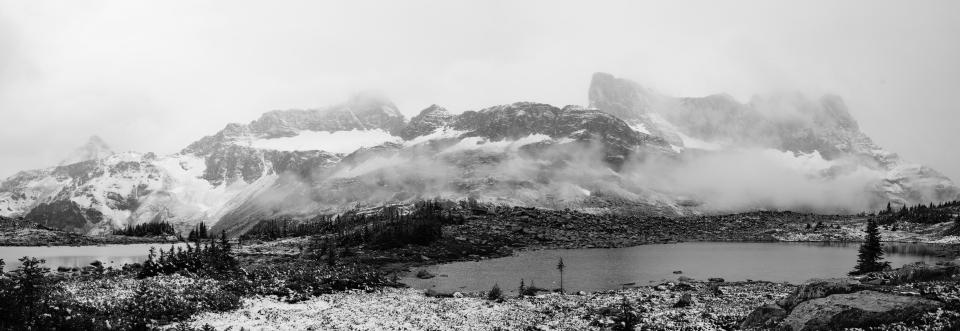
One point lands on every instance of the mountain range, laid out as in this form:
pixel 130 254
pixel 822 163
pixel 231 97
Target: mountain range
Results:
pixel 631 150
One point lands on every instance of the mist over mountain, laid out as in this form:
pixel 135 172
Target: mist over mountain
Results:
pixel 94 149
pixel 632 150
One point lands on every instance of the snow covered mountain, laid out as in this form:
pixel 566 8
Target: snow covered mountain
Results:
pixel 810 128
pixel 632 150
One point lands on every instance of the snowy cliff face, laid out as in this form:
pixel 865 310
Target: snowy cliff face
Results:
pixel 521 154
pixel 633 150
pixel 790 123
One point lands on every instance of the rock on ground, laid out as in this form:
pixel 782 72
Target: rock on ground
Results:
pixel 819 288
pixel 861 309
pixel 765 317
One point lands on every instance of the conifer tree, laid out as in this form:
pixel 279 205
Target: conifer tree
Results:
pixel 870 256
pixel 561 266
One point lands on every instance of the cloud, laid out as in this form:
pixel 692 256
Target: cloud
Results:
pixel 155 77
pixel 744 179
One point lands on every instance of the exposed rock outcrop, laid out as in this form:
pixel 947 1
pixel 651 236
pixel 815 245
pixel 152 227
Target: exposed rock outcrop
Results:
pixel 860 309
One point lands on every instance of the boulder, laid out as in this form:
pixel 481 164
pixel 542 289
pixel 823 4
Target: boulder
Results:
pixel 764 317
pixel 860 309
pixel 686 300
pixel 819 288
pixel 683 287
pixel 438 294
pixel 715 280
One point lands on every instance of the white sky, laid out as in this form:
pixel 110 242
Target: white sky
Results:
pixel 155 76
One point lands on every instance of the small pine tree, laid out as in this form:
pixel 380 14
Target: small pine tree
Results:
pixel 495 293
pixel 520 290
pixel 224 242
pixel 561 266
pixel 332 255
pixel 869 258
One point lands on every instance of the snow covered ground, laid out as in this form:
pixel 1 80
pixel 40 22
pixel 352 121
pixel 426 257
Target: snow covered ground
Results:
pixel 408 309
pixel 333 142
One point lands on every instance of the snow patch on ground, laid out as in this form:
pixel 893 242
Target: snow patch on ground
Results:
pixel 482 144
pixel 439 133
pixel 334 142
pixel 639 127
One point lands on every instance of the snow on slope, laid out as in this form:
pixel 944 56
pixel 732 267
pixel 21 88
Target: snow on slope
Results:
pixel 688 141
pixel 334 142
pixel 439 133
pixel 484 144
pixel 131 188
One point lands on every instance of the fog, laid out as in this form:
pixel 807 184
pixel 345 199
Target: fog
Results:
pixel 155 77
pixel 568 174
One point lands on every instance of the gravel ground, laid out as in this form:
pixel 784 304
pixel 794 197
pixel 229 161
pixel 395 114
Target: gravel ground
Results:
pixel 714 308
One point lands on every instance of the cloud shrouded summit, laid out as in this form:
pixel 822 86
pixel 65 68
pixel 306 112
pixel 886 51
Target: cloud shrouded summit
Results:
pixel 633 150
pixel 153 77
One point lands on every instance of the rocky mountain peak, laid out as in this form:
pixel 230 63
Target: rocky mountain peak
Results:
pixel 363 111
pixel 94 149
pixel 620 97
pixel 836 110
pixel 368 102
pixel 427 121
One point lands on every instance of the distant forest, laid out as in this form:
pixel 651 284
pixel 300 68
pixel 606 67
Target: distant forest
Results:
pixel 921 213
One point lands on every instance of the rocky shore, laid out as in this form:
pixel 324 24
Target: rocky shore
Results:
pixel 712 306
pixel 916 297
pixel 19 232
pixel 500 231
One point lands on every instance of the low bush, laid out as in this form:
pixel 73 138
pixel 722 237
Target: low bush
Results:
pixel 495 293
pixel 301 279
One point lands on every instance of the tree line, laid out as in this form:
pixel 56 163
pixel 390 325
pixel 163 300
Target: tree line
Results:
pixel 921 213
pixel 161 228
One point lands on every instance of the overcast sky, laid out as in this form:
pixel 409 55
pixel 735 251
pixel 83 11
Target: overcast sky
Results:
pixel 156 76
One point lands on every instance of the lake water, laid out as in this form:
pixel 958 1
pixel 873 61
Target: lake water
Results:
pixel 78 256
pixel 599 269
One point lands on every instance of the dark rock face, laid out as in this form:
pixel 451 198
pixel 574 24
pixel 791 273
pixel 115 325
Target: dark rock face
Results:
pixel 860 309
pixel 234 162
pixel 81 172
pixel 63 214
pixel 362 112
pixel 426 122
pixel 766 317
pixel 686 300
pixel 524 118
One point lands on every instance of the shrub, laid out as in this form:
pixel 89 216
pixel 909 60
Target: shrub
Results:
pixel 23 296
pixel 299 280
pixel 213 260
pixel 495 293
pixel 626 317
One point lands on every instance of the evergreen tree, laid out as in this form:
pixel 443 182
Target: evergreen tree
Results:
pixel 869 258
pixel 521 290
pixel 561 266
pixel 332 255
